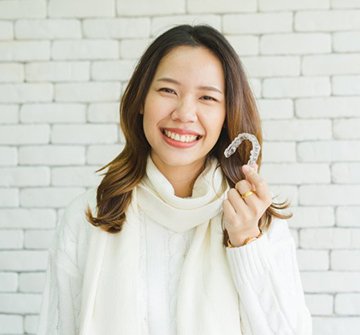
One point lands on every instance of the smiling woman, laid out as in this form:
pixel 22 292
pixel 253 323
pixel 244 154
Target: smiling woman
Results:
pixel 177 238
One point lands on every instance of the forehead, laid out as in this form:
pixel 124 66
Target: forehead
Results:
pixel 188 62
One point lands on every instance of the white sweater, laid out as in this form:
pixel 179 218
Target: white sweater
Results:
pixel 265 274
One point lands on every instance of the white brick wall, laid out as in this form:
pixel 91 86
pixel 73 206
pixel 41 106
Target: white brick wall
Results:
pixel 63 68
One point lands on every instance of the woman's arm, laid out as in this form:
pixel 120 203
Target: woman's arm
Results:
pixel 267 278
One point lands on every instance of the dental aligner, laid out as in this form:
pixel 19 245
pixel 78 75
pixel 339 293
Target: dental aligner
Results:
pixel 255 151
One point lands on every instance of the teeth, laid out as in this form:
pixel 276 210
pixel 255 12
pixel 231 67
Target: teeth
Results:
pixel 180 138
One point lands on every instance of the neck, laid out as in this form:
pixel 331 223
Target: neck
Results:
pixel 182 178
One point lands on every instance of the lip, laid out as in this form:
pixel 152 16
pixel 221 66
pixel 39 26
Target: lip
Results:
pixel 176 144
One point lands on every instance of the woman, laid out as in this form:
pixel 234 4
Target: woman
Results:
pixel 181 239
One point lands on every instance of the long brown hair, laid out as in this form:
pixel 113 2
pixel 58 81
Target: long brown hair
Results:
pixel 128 168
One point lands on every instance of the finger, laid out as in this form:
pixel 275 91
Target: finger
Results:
pixel 251 200
pixel 236 201
pixel 261 187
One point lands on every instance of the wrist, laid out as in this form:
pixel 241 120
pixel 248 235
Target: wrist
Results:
pixel 239 240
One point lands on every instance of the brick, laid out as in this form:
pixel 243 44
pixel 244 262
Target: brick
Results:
pixel 260 23
pixel 104 113
pixel 347 304
pixel 309 217
pixel 8 282
pixel 297 129
pixel 102 154
pixel 6 30
pixel 331 64
pixel 13 9
pixel 88 92
pixel 24 134
pixel 52 155
pixel 245 45
pixel 84 134
pixel 8 156
pixel 85 49
pixel 24 176
pixel 38 239
pixel 346 85
pixel 9 197
pixel 346 42
pixel 57 71
pixel 9 114
pixel 334 195
pixel 83 8
pixel 24 50
pixel 346 173
pixel 23 260
pixel 27 218
pixel 11 72
pixel 345 3
pixel 11 324
pixel 47 29
pixel 319 304
pixel 31 324
pixel 345 216
pixel 280 5
pixel 291 173
pixel 11 239
pixel 23 93
pixel 53 113
pixel 31 282
pixel 342 126
pixel 272 66
pixel 255 86
pixel 313 260
pixel 329 238
pixel 112 70
pixel 275 109
pixel 296 87
pixel 54 197
pixel 144 7
pixel 336 325
pixel 198 6
pixel 283 193
pixel 330 107
pixel 133 49
pixel 330 282
pixel 161 23
pixel 295 43
pixel 76 176
pixel 20 303
pixel 329 151
pixel 334 20
pixel 347 260
pixel 117 28
pixel 279 152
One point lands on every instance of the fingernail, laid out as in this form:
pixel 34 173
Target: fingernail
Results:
pixel 246 168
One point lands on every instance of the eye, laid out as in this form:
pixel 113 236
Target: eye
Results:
pixel 208 98
pixel 167 90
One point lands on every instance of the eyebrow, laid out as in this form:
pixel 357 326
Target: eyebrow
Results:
pixel 173 81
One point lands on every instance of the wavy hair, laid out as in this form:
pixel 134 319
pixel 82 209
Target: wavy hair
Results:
pixel 128 168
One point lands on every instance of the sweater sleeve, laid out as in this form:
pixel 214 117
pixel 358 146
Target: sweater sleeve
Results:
pixel 61 296
pixel 267 279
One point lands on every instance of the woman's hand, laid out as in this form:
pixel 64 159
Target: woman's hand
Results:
pixel 245 205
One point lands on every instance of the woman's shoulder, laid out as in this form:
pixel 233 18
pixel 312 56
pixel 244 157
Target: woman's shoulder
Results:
pixel 73 224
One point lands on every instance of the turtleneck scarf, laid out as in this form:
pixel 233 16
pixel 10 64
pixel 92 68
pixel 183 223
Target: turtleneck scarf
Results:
pixel 207 298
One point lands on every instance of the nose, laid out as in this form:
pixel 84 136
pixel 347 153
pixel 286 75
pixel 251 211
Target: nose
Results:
pixel 185 111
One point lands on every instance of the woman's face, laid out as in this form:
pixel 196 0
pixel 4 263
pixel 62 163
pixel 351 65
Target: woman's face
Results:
pixel 184 110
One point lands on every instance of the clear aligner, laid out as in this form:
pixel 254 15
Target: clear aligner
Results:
pixel 255 151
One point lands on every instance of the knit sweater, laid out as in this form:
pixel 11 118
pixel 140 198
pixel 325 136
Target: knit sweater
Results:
pixel 265 274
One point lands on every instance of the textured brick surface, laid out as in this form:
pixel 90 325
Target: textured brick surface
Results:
pixel 63 69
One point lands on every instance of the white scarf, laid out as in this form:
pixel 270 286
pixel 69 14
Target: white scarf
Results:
pixel 207 299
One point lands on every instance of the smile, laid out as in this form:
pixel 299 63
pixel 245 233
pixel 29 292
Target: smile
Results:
pixel 184 138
